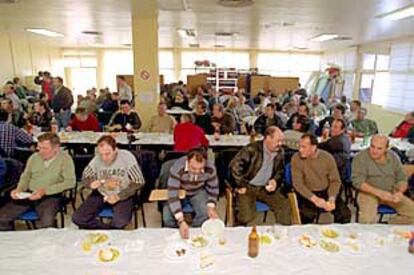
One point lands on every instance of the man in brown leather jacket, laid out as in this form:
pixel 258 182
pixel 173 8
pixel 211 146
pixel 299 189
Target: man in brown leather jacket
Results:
pixel 257 171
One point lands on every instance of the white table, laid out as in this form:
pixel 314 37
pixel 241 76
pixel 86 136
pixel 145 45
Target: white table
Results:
pixel 55 251
pixel 178 111
pixel 401 144
pixel 150 139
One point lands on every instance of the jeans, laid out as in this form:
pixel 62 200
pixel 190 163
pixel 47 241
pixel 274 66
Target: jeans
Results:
pixel 86 216
pixel 199 204
pixel 63 118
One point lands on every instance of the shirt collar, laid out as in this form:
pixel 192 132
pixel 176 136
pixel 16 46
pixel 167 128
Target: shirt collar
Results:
pixel 187 167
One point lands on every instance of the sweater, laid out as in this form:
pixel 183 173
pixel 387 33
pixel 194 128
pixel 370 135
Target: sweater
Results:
pixel 188 136
pixel 124 171
pixel 181 178
pixel 318 174
pixel 90 124
pixel 162 124
pixel 56 178
pixel 388 176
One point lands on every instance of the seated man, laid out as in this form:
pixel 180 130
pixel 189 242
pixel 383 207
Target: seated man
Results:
pixel 406 128
pixel 301 125
pixel 222 122
pixel 42 116
pixel 378 174
pixel 11 136
pixel 363 126
pixel 197 176
pixel 339 146
pixel 269 118
pixel 337 113
pixel 83 121
pixel 257 170
pixel 187 135
pixel 203 118
pixel 15 117
pixel 316 180
pixel 125 120
pixel 317 108
pixel 162 122
pixel 114 177
pixel 47 174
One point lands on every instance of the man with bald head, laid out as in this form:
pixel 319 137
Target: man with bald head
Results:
pixel 316 180
pixel 257 171
pixel 378 175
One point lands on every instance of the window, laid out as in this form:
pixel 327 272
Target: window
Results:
pixel 288 64
pixel 82 80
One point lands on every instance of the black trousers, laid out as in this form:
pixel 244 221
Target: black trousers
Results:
pixel 308 211
pixel 46 208
pixel 86 216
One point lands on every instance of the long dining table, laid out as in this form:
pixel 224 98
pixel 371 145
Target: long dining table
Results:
pixel 360 249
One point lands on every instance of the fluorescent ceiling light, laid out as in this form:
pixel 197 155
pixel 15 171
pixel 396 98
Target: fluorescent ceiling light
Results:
pixel 45 32
pixel 323 37
pixel 399 14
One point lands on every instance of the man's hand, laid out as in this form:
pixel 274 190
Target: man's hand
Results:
pixel 38 194
pixel 241 191
pixel 95 184
pixel 385 196
pixel 397 197
pixel 330 205
pixel 318 202
pixel 184 230
pixel 212 213
pixel 111 199
pixel 13 194
pixel 271 186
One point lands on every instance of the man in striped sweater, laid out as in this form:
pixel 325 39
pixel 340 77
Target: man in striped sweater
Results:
pixel 197 176
pixel 114 177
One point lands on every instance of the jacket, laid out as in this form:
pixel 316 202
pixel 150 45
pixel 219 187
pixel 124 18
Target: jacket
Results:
pixel 246 164
pixel 62 100
pixel 262 122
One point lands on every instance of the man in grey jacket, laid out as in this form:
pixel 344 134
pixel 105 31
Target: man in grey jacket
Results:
pixel 114 177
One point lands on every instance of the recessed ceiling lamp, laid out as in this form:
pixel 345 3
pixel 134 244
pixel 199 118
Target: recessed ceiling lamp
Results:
pixel 398 14
pixel 187 33
pixel 235 3
pixel 45 32
pixel 219 46
pixel 195 45
pixel 324 37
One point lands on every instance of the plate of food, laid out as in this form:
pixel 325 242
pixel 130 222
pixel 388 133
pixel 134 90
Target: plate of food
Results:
pixel 307 241
pixel 108 254
pixel 177 251
pixel 266 239
pixel 199 241
pixel 279 234
pixel 23 195
pixel 329 245
pixel 329 232
pixel 402 233
pixel 353 246
pixel 376 240
pixel 213 228
pixel 93 239
pixel 206 262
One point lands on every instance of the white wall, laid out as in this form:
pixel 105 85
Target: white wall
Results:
pixel 23 55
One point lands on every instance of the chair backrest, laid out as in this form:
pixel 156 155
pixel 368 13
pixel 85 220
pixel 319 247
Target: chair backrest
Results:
pixel 295 213
pixel 288 177
pixel 229 206
pixel 408 169
pixel 81 161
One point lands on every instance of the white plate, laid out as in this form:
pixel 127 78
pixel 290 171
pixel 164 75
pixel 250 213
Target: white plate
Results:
pixel 353 246
pixel 195 244
pixel 213 228
pixel 23 195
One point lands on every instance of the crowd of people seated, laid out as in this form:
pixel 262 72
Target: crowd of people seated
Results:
pixel 318 135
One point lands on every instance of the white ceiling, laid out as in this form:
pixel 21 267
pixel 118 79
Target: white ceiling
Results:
pixel 258 26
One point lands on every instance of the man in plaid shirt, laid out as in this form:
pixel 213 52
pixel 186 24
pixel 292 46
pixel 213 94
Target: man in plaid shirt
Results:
pixel 10 136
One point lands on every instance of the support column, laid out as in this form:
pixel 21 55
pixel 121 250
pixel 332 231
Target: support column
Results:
pixel 145 49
